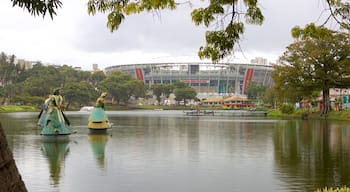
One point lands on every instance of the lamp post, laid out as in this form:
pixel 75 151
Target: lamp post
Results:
pixel 345 98
pixel 341 100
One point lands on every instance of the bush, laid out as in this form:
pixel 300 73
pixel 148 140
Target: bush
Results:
pixel 343 189
pixel 287 109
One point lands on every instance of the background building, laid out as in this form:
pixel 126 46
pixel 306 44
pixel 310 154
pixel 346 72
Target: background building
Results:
pixel 259 60
pixel 208 79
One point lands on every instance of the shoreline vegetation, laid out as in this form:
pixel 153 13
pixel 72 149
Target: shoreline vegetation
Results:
pixel 274 113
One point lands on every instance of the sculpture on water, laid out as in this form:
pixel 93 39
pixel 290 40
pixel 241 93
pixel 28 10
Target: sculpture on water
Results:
pixel 98 120
pixel 51 119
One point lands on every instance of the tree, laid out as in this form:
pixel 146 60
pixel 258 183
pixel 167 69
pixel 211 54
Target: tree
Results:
pixel 269 97
pixel 168 89
pixel 162 89
pixel 12 90
pixel 180 84
pixel 183 91
pixel 317 60
pixel 183 94
pixel 9 71
pixel 157 91
pixel 79 93
pixel 122 86
pixel 11 180
pixel 340 11
pixel 50 78
pixel 39 7
pixel 69 74
pixel 255 91
pixel 96 77
pixel 139 89
pixel 225 15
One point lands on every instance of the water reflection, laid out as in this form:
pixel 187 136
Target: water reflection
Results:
pixel 181 153
pixel 98 143
pixel 55 152
pixel 314 152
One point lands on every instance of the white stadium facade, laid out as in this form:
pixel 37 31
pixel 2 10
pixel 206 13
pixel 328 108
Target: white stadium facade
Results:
pixel 208 79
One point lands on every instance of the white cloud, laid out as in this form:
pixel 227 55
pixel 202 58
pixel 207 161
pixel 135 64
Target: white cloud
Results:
pixel 77 39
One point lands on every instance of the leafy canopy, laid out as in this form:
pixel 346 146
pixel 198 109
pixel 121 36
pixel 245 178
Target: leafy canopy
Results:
pixel 39 7
pixel 317 61
pixel 222 15
pixel 122 86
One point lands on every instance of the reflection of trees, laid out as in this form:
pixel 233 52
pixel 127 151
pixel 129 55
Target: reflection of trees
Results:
pixel 98 144
pixel 313 154
pixel 55 151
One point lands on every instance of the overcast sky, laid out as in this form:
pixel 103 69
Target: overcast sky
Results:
pixel 79 40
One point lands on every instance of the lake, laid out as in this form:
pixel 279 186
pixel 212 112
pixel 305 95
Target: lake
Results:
pixel 166 151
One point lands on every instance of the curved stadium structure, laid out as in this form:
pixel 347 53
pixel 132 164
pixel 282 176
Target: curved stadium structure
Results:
pixel 208 79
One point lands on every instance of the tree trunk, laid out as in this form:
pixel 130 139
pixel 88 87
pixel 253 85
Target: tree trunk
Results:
pixel 10 179
pixel 326 102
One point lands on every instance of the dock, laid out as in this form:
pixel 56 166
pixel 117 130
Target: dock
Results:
pixel 225 113
pixel 199 112
pixel 241 113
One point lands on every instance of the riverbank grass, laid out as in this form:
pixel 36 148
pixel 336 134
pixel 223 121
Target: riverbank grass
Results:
pixel 310 114
pixel 342 189
pixel 17 108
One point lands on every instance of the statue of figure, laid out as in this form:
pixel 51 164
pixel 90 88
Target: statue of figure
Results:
pixel 54 120
pixel 54 104
pixel 98 120
pixel 100 101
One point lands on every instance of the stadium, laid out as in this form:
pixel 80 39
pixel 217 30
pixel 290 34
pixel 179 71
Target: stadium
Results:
pixel 208 79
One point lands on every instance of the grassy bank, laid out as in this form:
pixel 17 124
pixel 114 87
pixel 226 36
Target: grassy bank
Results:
pixel 299 114
pixel 17 108
pixel 24 108
pixel 302 114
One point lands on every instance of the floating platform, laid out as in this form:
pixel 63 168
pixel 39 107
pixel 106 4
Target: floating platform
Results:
pixel 55 138
pixel 98 120
pixel 199 112
pixel 99 127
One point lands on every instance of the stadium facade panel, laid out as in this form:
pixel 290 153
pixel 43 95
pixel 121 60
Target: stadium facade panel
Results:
pixel 207 78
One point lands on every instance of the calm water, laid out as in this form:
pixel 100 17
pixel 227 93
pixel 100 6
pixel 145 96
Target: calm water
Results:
pixel 165 151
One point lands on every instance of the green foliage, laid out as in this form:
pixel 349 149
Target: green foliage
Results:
pixel 122 86
pixel 255 91
pixel 220 42
pixel 118 9
pixel 39 7
pixel 180 84
pixel 287 108
pixel 162 89
pixel 68 74
pixel 50 78
pixel 79 93
pixel 342 189
pixel 32 86
pixel 13 90
pixel 17 108
pixel 340 11
pixel 27 100
pixel 183 94
pixel 97 77
pixel 9 71
pixel 318 60
pixel 2 91
pixel 157 91
pixel 269 97
pixel 222 15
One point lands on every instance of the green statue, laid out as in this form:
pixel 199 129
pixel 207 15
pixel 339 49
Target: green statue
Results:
pixel 54 121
